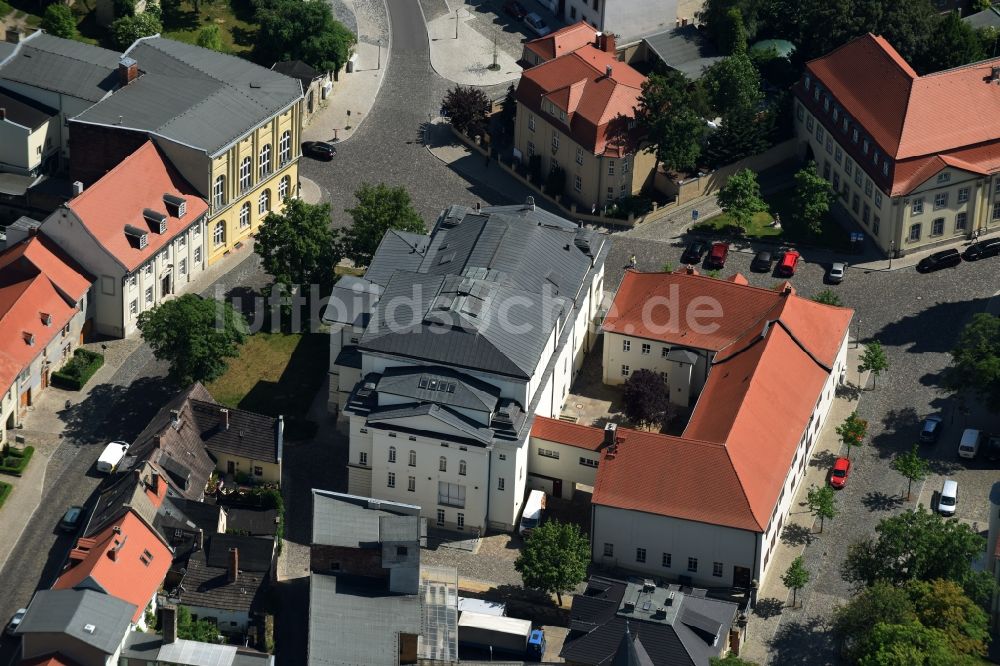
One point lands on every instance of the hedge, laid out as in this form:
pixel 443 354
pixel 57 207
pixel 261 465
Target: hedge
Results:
pixel 77 372
pixel 15 461
pixel 5 489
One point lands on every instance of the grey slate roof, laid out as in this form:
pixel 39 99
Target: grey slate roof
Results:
pixel 23 111
pixel 685 49
pixel 297 70
pixel 64 66
pixel 206 584
pixel 441 385
pixel 467 428
pixel 351 299
pixel 195 96
pixel 397 251
pixel 127 492
pixel 255 522
pixel 249 434
pixel 353 522
pixel 6 50
pixel 73 612
pixel 255 554
pixel 988 18
pixel 353 623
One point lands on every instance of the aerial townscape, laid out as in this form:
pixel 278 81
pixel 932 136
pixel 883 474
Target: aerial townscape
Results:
pixel 589 332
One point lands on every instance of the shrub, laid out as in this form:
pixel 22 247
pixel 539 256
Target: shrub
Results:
pixel 15 462
pixel 77 372
pixel 631 205
pixel 5 490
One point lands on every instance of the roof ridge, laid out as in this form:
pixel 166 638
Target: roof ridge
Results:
pixel 968 65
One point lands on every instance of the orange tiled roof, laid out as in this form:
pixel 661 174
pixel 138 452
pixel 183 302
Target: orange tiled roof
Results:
pixel 51 660
pixel 570 434
pixel 119 197
pixel 128 560
pixel 748 409
pixel 910 116
pixel 46 257
pixel 578 84
pixel 562 41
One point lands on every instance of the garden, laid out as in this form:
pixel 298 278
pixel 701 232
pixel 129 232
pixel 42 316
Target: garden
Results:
pixel 78 370
pixel 15 461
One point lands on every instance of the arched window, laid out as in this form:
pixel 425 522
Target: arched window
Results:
pixel 264 204
pixel 245 215
pixel 219 191
pixel 264 165
pixel 443 464
pixel 461 468
pixel 285 147
pixel 219 234
pixel 413 458
pixel 392 454
pixel 245 174
pixel 284 185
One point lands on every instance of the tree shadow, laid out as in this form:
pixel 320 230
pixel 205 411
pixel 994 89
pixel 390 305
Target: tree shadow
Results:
pixel 876 500
pixel 848 391
pixel 794 534
pixel 930 330
pixel 808 642
pixel 243 36
pixel 768 607
pixel 823 459
pixel 115 412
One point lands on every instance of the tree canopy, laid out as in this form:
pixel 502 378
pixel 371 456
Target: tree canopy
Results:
pixel 203 631
pixel 58 21
pixel 297 247
pixel 301 30
pixel 467 108
pixel 796 577
pixel 822 503
pixel 127 29
pixel 828 297
pixel 194 335
pixel 975 360
pixel 379 208
pixel 740 197
pixel 669 122
pixel 852 431
pixel 645 399
pixel 874 359
pixel 210 37
pixel 813 197
pixel 555 558
pixel 911 466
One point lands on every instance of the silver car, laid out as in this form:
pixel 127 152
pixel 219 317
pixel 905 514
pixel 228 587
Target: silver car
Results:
pixel 837 271
pixel 15 622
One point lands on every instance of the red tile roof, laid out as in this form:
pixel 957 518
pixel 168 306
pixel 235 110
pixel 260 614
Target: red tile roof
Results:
pixel 562 41
pixel 578 84
pixel 570 434
pixel 51 660
pixel 46 257
pixel 116 559
pixel 120 196
pixel 774 355
pixel 907 115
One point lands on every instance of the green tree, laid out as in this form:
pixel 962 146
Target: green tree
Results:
pixel 379 208
pixel 741 133
pixel 645 399
pixel 210 37
pixel 740 198
pixel 828 297
pixel 194 335
pixel 733 83
pixel 911 466
pixel 554 559
pixel 821 501
pixel 467 108
pixel 127 29
pixel 297 246
pixel 852 431
pixel 905 644
pixel 58 20
pixel 795 578
pixel 975 360
pixel 874 360
pixel 942 604
pixel 813 197
pixel 918 545
pixel 306 31
pixel 203 631
pixel 730 660
pixel 953 43
pixel 668 121
pixel 881 602
pixel 980 5
pixel 734 33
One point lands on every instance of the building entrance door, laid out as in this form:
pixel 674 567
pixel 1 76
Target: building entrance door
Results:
pixel 557 488
pixel 165 286
pixel 741 577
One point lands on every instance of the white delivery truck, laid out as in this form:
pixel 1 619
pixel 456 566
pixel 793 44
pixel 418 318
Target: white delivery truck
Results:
pixel 531 516
pixel 501 634
pixel 111 456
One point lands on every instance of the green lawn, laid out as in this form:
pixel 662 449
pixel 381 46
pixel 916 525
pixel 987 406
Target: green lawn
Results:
pixel 792 230
pixel 234 18
pixel 276 373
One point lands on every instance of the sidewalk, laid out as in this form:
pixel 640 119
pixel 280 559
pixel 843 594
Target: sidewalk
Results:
pixel 762 628
pixel 464 55
pixel 354 94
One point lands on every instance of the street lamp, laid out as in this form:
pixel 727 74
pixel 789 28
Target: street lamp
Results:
pixel 379 54
pixel 892 249
pixel 456 24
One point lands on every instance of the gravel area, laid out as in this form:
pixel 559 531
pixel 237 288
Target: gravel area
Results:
pixel 494 563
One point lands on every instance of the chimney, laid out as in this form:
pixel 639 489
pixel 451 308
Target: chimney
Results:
pixel 234 565
pixel 128 70
pixel 607 71
pixel 14 36
pixel 610 431
pixel 607 42
pixel 529 203
pixel 154 480
pixel 77 188
pixel 225 417
pixel 168 623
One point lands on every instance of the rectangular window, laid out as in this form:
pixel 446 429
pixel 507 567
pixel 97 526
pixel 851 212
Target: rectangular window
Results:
pixel 809 124
pixel 961 219
pixel 184 266
pixel 578 183
pixel 996 211
pixel 866 213
pixel 799 113
pixel 531 122
pixel 548 453
pixel 826 170
pixel 836 181
pixel 411 483
pixel 640 555
pixel 362 457
pixel 626 345
pixel 864 146
pixel 624 165
pixel 838 155
pixel 848 166
pixel 392 480
pixel 611 167
pixel 875 225
pixel 943 177
pixel 940 200
pixel 963 195
pixel 856 204
pixel 149 294
pixel 132 281
pixel 440 516
pixel 197 255
pixel 258 471
pixel 500 483
pixel 868 187
pixel 844 125
pixel 588 462
pixel 625 370
pixel 555 141
pixel 914 233
pixel 819 133
pixel 665 560
pixel 854 136
pixel 646 347
pixel 610 195
pixel 829 145
pixel 609 550
pixel 858 177
pixel 531 148
pixel 664 351
pixel 717 569
pixel 878 199
pixel 460 520
pixel 392 453
pixel 885 168
pixel 503 456
pixel 133 307
pixel 693 564
pixel 451 494
pixel 917 207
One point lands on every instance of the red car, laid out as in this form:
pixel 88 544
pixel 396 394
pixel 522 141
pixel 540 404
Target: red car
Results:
pixel 786 267
pixel 841 470
pixel 717 255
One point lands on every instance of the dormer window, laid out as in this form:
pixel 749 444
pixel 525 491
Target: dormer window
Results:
pixel 136 236
pixel 29 339
pixel 46 319
pixel 157 220
pixel 176 206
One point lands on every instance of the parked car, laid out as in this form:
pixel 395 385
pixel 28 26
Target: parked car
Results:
pixel 789 260
pixel 841 470
pixel 992 448
pixel 536 24
pixel 717 255
pixel 71 519
pixel 531 516
pixel 948 499
pixel 694 252
pixel 111 456
pixel 320 150
pixel 761 262
pixel 15 621
pixel 836 273
pixel 968 446
pixel 930 429
pixel 939 260
pixel 515 9
pixel 982 249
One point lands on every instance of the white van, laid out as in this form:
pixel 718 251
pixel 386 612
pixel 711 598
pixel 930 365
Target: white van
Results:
pixel 111 456
pixel 532 514
pixel 968 447
pixel 948 499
